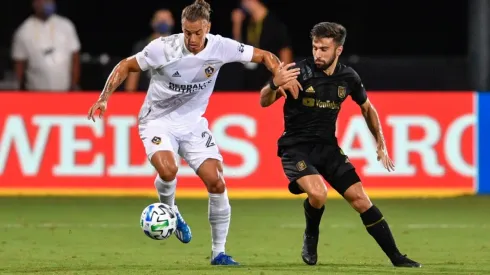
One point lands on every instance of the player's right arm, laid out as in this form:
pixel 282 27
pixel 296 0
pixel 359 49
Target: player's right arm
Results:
pixel 274 89
pixel 150 57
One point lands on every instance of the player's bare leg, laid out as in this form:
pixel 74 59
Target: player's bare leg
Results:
pixel 219 209
pixel 376 225
pixel 314 206
pixel 165 183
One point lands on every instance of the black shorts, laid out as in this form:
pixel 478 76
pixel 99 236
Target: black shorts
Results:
pixel 311 159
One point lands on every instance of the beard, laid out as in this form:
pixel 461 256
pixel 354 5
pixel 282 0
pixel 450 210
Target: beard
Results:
pixel 327 64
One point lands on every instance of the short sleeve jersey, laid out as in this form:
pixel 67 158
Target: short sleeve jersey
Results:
pixel 313 116
pixel 182 82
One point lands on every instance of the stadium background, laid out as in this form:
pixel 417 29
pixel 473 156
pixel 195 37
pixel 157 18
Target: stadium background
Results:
pixel 426 68
pixel 412 58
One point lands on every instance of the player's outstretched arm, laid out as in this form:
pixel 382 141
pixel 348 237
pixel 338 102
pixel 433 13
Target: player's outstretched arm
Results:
pixel 115 79
pixel 270 60
pixel 372 120
pixel 273 64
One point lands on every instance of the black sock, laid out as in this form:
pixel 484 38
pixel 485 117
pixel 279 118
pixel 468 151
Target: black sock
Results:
pixel 377 227
pixel 313 217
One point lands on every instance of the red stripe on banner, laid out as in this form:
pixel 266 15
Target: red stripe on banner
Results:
pixel 47 143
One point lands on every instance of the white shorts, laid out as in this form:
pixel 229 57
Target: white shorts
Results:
pixel 193 143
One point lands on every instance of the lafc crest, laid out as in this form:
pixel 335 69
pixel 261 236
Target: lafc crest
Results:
pixel 209 71
pixel 341 91
pixel 301 165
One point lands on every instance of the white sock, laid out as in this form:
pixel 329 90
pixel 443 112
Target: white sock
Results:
pixel 219 214
pixel 166 190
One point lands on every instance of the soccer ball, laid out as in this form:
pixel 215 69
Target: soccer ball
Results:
pixel 158 221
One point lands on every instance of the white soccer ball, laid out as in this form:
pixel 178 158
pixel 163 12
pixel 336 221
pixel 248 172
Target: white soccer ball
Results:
pixel 158 221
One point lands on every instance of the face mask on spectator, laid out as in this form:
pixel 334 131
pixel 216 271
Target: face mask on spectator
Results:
pixel 162 27
pixel 49 9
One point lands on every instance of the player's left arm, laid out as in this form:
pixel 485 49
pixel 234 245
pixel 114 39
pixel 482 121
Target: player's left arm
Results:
pixel 371 116
pixel 270 60
pixel 372 120
pixel 234 51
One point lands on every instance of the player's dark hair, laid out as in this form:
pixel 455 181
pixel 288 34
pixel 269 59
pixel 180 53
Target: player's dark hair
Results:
pixel 329 30
pixel 198 10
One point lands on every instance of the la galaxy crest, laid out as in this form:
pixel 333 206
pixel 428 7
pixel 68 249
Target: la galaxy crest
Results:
pixel 209 71
pixel 341 91
pixel 156 140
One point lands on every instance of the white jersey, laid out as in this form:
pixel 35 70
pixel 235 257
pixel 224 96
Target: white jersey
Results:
pixel 181 82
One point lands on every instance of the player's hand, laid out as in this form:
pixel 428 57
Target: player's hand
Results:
pixel 101 106
pixel 284 74
pixel 293 87
pixel 237 16
pixel 285 79
pixel 384 158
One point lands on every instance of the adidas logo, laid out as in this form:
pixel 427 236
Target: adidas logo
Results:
pixel 176 74
pixel 310 90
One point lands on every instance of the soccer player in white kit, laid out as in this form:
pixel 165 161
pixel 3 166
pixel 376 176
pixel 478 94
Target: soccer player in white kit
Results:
pixel 184 68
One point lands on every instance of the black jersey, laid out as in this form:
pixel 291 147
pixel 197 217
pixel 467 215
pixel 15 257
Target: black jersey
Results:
pixel 312 117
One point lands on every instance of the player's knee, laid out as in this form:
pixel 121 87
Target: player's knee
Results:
pixel 215 186
pixel 318 197
pixel 167 172
pixel 211 173
pixel 360 202
pixel 164 163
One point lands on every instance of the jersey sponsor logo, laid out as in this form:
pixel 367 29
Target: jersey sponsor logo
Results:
pixel 311 102
pixel 341 91
pixel 176 74
pixel 188 88
pixel 209 70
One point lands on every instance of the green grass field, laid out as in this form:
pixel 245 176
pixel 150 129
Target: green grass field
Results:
pixel 102 236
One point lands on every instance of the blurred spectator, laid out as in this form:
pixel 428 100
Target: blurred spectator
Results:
pixel 162 24
pixel 45 50
pixel 255 25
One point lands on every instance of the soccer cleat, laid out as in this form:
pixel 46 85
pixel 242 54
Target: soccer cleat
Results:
pixel 404 261
pixel 183 231
pixel 223 259
pixel 309 253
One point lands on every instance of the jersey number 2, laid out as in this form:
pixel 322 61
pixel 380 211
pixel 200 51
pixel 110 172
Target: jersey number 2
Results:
pixel 209 142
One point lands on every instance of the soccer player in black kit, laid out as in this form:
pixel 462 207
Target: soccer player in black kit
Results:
pixel 308 147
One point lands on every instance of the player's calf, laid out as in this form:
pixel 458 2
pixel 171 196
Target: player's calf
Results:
pixel 314 206
pixel 166 190
pixel 376 225
pixel 219 209
pixel 165 183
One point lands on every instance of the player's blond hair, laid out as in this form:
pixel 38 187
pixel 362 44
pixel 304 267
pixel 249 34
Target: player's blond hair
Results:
pixel 198 10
